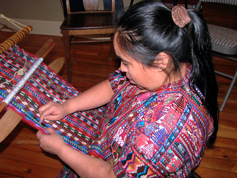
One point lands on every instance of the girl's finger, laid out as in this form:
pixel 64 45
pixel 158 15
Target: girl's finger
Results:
pixel 50 130
pixel 39 134
pixel 43 107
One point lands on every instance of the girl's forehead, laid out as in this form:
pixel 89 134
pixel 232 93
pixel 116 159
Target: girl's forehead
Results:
pixel 118 50
pixel 122 53
pixel 115 41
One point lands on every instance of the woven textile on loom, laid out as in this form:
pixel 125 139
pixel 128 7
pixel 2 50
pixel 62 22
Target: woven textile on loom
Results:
pixel 77 129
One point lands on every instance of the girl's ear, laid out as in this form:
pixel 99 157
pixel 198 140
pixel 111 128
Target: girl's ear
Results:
pixel 162 60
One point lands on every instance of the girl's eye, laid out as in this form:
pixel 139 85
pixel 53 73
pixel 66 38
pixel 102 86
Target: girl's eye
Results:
pixel 124 63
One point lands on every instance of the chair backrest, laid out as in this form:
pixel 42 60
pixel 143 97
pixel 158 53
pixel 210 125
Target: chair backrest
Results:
pixel 230 2
pixel 189 4
pixel 220 12
pixel 90 6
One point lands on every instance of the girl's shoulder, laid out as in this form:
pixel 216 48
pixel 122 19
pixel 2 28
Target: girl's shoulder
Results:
pixel 176 129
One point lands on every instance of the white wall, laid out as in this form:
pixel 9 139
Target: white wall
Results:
pixel 45 16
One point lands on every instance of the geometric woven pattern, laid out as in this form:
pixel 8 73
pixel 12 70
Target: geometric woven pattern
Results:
pixel 78 129
pixel 152 133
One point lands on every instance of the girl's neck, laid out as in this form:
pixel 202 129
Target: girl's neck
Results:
pixel 178 75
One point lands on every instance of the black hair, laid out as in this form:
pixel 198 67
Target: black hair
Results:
pixel 147 28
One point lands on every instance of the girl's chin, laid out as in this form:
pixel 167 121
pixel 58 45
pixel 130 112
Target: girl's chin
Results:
pixel 140 87
pixel 133 83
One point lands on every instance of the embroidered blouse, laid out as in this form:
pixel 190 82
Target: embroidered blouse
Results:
pixel 162 133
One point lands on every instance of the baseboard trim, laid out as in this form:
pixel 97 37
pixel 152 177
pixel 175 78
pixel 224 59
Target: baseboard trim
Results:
pixel 39 26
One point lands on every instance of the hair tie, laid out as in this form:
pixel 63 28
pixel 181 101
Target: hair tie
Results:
pixel 180 16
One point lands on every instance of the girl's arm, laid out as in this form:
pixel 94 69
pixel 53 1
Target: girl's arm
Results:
pixel 94 97
pixel 84 165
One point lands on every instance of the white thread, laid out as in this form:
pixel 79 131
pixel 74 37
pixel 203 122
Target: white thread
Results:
pixel 19 72
pixel 13 21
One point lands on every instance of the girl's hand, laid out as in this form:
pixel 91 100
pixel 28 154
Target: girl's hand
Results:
pixel 52 111
pixel 51 142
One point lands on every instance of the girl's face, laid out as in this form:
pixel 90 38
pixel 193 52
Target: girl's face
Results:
pixel 148 78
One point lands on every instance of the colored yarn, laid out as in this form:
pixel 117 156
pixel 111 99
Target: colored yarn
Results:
pixel 77 129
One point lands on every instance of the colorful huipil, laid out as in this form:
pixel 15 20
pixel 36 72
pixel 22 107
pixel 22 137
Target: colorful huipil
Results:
pixel 153 134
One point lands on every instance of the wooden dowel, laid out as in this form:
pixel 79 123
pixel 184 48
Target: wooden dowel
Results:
pixel 7 123
pixel 14 39
pixel 45 49
pixel 2 106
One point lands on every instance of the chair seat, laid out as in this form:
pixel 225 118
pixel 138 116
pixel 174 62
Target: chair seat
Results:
pixel 87 21
pixel 224 40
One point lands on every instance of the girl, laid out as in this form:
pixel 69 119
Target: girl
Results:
pixel 161 104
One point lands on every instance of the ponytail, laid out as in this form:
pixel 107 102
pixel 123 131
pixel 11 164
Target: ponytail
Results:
pixel 202 74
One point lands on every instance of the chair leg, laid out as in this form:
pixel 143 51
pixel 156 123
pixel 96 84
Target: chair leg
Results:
pixel 74 53
pixel 67 47
pixel 228 92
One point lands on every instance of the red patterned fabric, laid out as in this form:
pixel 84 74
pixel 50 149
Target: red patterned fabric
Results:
pixel 78 129
pixel 153 134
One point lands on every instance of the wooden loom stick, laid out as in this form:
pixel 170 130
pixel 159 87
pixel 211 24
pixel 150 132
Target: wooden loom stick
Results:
pixel 11 119
pixel 45 49
pixel 14 39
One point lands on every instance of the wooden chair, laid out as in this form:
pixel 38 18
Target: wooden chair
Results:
pixel 188 4
pixel 91 25
pixel 223 37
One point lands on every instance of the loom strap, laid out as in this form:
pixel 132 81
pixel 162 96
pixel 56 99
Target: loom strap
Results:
pixel 14 39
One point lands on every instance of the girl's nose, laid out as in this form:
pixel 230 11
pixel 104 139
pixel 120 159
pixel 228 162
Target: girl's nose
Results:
pixel 123 68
